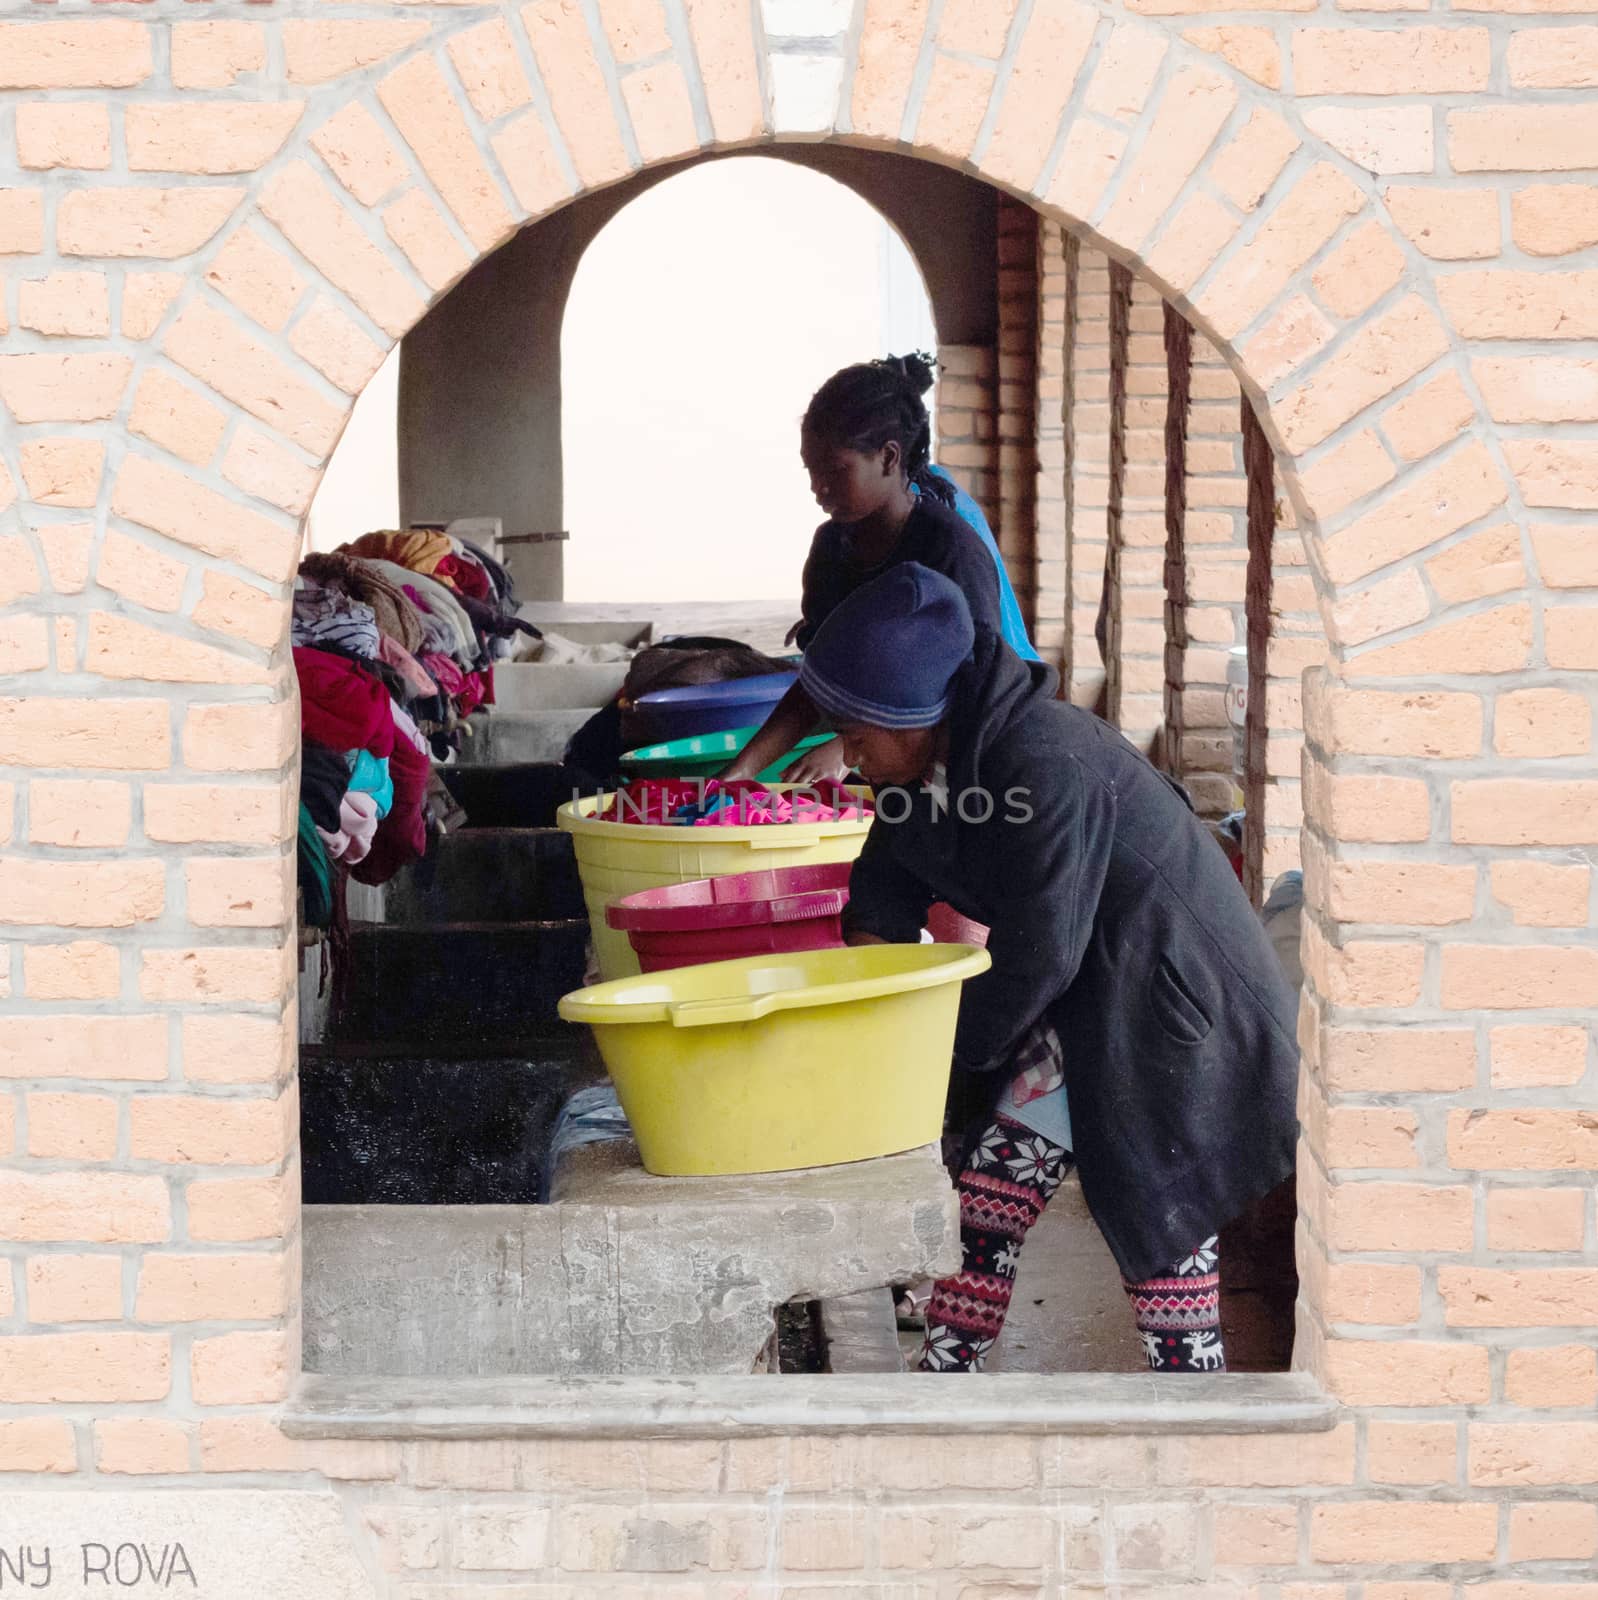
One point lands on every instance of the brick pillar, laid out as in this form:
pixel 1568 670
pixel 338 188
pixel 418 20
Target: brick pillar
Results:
pixel 967 422
pixel 1215 545
pixel 1016 529
pixel 1087 414
pixel 1137 546
pixel 1051 621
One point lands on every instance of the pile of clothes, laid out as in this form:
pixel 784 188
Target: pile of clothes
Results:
pixel 746 803
pixel 395 638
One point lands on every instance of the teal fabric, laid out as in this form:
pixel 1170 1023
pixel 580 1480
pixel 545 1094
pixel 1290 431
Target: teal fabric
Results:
pixel 314 873
pixel 370 775
pixel 1012 623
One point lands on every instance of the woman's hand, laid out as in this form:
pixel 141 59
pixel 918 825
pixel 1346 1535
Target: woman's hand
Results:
pixel 817 765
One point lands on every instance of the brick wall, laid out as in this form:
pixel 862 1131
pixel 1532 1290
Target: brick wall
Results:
pixel 1017 527
pixel 215 222
pixel 1050 634
pixel 967 421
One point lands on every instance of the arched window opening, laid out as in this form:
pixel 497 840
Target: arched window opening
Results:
pixel 700 322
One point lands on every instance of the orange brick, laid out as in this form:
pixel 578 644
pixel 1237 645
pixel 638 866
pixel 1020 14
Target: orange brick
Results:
pixel 236 1049
pixel 1447 224
pixel 84 1368
pixel 66 554
pixel 227 892
pixel 1256 1536
pixel 176 418
pixel 1521 138
pixel 1405 1217
pixel 1553 1530
pixel 485 59
pixel 242 1210
pixel 332 343
pixel 82 970
pixel 239 738
pixel 260 280
pixel 1253 161
pixel 140 573
pixel 1541 895
pixel 1495 303
pixel 1373 1532
pixel 38 1444
pixel 316 52
pixel 1541 1454
pixel 81 894
pixel 72 1127
pixel 1412 1453
pixel 659 108
pixel 362 156
pixel 1519 977
pixel 212 55
pixel 1527 1058
pixel 1527 1138
pixel 1548 1297
pixel 1535 1219
pixel 141 1445
pixel 200 1130
pixel 1554 219
pixel 1565 555
pixel 1406 893
pixel 119 647
pixel 1406 1373
pixel 226 605
pixel 1531 723
pixel 66 135
pixel 146 297
pixel 216 137
pixel 238 1369
pixel 217 976
pixel 1400 1060
pixel 1364 1292
pixel 199 1288
pixel 84 1047
pixel 74 1289
pixel 183 813
pixel 1557 1375
pixel 1521 811
pixel 165 223
pixel 418 227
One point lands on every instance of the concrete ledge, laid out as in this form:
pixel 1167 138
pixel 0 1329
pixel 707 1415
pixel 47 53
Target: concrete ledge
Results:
pixel 742 1407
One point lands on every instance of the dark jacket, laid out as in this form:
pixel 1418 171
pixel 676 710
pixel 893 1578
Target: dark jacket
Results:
pixel 1114 912
pixel 935 535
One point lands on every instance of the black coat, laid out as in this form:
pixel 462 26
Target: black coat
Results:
pixel 934 534
pixel 1113 911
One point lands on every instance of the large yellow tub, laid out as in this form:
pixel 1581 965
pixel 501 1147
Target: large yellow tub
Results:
pixel 616 859
pixel 777 1062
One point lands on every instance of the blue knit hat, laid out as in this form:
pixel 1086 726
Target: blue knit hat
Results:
pixel 887 656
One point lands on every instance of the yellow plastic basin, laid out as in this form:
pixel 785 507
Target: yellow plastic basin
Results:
pixel 777 1062
pixel 616 859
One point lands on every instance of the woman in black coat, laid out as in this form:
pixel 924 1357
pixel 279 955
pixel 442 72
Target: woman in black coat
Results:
pixel 1134 1022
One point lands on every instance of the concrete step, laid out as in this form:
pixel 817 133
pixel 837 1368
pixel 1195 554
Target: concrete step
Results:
pixel 457 986
pixel 522 795
pixel 506 738
pixel 489 875
pixel 415 1129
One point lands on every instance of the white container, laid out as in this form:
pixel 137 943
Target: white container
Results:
pixel 1237 703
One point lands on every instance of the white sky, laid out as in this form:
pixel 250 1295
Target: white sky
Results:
pixel 701 321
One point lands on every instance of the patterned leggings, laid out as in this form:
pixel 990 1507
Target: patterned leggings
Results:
pixel 1008 1180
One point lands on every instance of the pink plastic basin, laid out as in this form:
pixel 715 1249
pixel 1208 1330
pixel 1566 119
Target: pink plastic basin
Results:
pixel 751 914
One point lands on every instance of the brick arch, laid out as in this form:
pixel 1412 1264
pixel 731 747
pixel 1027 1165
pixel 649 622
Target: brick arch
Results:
pixel 290 257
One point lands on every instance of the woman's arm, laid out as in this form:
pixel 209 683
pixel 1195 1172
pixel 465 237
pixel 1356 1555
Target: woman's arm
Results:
pixel 794 719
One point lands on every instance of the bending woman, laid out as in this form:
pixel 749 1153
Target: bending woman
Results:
pixel 866 442
pixel 1135 1021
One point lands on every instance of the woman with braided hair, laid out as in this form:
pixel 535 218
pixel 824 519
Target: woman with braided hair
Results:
pixel 866 442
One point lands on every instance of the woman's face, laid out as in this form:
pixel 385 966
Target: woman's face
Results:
pixel 850 485
pixel 885 757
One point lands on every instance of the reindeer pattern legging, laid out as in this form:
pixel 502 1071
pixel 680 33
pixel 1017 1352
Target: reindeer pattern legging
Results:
pixel 1013 1169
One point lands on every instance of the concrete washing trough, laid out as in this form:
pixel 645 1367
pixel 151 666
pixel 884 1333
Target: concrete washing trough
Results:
pixel 622 1274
